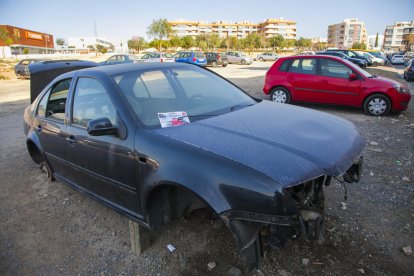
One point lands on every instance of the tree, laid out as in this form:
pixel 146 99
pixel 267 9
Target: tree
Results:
pixel 101 49
pixel 60 41
pixel 6 39
pixel 289 43
pixel 159 29
pixel 175 41
pixel 187 42
pixel 277 41
pixel 252 41
pixel 25 51
pixel 303 43
pixel 376 41
pixel 360 46
pixel 137 43
pixel 214 41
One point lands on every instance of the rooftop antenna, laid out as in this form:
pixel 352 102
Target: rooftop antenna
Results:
pixel 95 29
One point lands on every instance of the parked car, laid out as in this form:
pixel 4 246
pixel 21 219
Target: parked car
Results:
pixel 267 56
pixel 375 60
pixel 238 57
pixel 331 80
pixel 22 67
pixel 119 59
pixel 397 59
pixel 157 57
pixel 380 55
pixel 143 140
pixel 361 63
pixel 214 59
pixel 193 57
pixel 409 70
pixel 407 57
pixel 353 54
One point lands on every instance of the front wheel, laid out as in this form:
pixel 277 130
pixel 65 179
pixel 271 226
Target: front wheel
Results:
pixel 261 59
pixel 243 62
pixel 280 95
pixel 214 63
pixel 377 105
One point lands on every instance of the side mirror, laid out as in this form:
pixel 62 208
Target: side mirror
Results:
pixel 100 126
pixel 353 76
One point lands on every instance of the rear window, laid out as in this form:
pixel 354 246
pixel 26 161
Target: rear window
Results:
pixel 398 56
pixel 199 54
pixel 167 55
pixel 284 66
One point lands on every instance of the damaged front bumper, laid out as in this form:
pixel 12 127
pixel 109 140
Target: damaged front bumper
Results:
pixel 304 215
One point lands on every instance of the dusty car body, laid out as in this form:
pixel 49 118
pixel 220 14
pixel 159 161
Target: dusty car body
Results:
pixel 255 174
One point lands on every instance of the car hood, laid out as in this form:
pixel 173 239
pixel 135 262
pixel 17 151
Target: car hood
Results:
pixel 385 81
pixel 288 143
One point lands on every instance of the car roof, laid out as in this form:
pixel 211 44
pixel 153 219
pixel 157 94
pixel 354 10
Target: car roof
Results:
pixel 129 67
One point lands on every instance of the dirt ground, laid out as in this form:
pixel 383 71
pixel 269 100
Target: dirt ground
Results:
pixel 46 228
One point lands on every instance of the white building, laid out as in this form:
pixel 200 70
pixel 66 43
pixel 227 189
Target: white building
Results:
pixel 82 43
pixel 393 36
pixel 344 35
pixel 371 41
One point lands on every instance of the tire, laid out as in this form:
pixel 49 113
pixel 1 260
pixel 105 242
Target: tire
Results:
pixel 224 65
pixel 280 95
pixel 214 63
pixel 261 59
pixel 243 62
pixel 377 105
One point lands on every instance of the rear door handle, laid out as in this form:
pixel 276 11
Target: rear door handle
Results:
pixel 71 139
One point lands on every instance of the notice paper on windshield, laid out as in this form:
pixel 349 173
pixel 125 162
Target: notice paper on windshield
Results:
pixel 172 119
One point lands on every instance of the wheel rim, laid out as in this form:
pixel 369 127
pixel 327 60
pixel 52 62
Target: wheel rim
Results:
pixel 279 96
pixel 377 106
pixel 214 64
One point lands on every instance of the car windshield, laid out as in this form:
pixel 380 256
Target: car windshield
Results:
pixel 198 92
pixel 167 55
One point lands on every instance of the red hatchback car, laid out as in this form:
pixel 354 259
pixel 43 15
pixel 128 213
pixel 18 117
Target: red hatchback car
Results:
pixel 331 80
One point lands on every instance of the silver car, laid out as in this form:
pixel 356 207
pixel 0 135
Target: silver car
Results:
pixel 267 56
pixel 238 57
pixel 157 57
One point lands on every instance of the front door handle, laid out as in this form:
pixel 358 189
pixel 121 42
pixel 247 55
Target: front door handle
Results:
pixel 71 139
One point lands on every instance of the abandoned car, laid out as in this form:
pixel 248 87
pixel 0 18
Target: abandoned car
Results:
pixel 156 140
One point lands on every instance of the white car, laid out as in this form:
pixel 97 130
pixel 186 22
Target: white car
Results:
pixel 157 57
pixel 267 56
pixel 397 59
pixel 375 60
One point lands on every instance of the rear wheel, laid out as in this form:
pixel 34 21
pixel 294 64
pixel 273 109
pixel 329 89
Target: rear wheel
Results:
pixel 280 95
pixel 377 105
pixel 224 64
pixel 243 62
pixel 261 59
pixel 214 63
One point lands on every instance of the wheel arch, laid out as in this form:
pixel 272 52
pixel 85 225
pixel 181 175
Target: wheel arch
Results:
pixel 376 93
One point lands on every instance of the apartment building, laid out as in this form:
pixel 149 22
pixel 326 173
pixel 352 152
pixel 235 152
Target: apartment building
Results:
pixel 343 35
pixel 393 35
pixel 269 27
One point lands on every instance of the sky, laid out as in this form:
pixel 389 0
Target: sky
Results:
pixel 121 19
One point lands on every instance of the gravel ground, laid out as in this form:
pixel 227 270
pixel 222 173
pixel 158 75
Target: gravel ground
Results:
pixel 46 228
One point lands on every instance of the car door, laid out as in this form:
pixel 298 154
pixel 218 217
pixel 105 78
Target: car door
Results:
pixel 104 165
pixel 336 84
pixel 49 125
pixel 303 79
pixel 230 57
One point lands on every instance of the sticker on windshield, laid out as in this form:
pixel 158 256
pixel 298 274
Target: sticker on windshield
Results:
pixel 172 119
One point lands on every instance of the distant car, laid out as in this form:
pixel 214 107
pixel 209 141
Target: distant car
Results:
pixel 375 60
pixel 332 80
pixel 267 56
pixel 238 57
pixel 22 67
pixel 119 59
pixel 397 59
pixel 214 59
pixel 193 57
pixel 409 70
pixel 157 57
pixel 361 63
pixel 407 57
pixel 353 54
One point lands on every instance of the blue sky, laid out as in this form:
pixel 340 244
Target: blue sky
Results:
pixel 123 19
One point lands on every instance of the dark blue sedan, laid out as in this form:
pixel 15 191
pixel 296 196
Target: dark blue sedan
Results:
pixel 155 141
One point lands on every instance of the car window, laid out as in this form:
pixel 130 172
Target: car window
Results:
pixel 284 66
pixel 56 104
pixel 91 101
pixel 146 56
pixel 199 55
pixel 132 57
pixel 41 108
pixel 335 69
pixel 304 66
pixel 352 55
pixel 167 55
pixel 112 58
